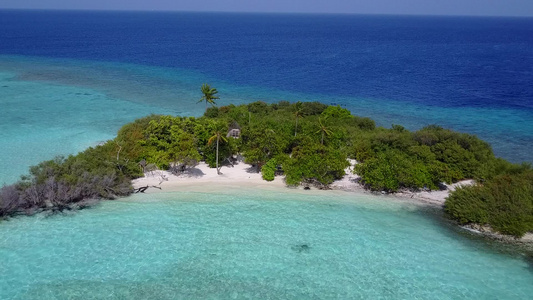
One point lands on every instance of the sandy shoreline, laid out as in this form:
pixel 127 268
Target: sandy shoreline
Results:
pixel 202 178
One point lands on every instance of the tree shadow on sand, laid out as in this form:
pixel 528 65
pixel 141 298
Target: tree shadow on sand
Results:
pixel 192 173
pixel 253 169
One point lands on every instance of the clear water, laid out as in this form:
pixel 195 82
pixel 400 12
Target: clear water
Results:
pixel 244 244
pixel 40 121
pixel 59 107
pixel 69 80
pixel 469 74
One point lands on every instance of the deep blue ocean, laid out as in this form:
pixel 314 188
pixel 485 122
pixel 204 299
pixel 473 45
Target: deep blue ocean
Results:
pixel 70 79
pixel 471 74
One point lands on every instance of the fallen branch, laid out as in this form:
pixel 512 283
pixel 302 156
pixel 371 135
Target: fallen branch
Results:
pixel 142 189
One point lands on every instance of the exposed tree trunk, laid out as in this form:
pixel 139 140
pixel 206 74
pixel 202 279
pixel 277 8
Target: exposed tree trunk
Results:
pixel 296 127
pixel 118 151
pixel 218 170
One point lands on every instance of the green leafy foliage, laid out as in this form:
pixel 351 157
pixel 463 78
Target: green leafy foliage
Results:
pixel 262 144
pixel 170 140
pixel 311 142
pixel 268 171
pixel 313 108
pixel 209 95
pixel 505 203
pixel 336 113
pixel 258 107
pixel 396 158
pixel 211 112
pixel 315 163
pixel 393 169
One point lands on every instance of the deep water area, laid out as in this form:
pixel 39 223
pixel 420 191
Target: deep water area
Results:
pixel 70 79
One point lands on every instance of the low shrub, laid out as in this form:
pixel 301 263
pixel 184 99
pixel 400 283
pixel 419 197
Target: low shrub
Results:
pixel 268 171
pixel 505 203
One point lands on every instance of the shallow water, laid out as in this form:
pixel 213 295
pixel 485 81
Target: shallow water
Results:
pixel 59 107
pixel 42 120
pixel 69 79
pixel 267 245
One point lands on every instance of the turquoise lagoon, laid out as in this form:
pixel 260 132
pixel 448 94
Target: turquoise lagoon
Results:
pixel 221 244
pixel 256 245
pixel 57 106
pixel 251 244
pixel 54 107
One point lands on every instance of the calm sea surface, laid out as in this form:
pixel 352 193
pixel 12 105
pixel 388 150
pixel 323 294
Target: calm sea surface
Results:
pixel 254 245
pixel 69 80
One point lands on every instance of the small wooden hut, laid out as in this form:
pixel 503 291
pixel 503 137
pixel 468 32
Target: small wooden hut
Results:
pixel 234 130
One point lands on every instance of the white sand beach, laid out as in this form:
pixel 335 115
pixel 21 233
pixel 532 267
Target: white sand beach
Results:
pixel 202 178
pixel 434 197
pixel 242 175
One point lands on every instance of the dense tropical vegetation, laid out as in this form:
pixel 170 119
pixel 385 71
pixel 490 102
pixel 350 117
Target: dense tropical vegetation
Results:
pixel 309 142
pixel 505 203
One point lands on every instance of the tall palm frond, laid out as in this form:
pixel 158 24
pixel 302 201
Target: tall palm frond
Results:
pixel 209 95
pixel 323 129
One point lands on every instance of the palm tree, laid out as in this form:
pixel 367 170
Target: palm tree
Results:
pixel 217 135
pixel 297 114
pixel 323 129
pixel 209 95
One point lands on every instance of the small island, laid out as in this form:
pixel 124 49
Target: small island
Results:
pixel 302 144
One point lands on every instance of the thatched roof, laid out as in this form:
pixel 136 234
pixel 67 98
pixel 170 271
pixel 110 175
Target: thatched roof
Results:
pixel 234 125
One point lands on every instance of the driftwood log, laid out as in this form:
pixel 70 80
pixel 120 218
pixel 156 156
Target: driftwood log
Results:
pixel 142 189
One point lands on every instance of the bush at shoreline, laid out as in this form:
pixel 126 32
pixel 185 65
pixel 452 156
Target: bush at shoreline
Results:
pixel 505 203
pixel 309 142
